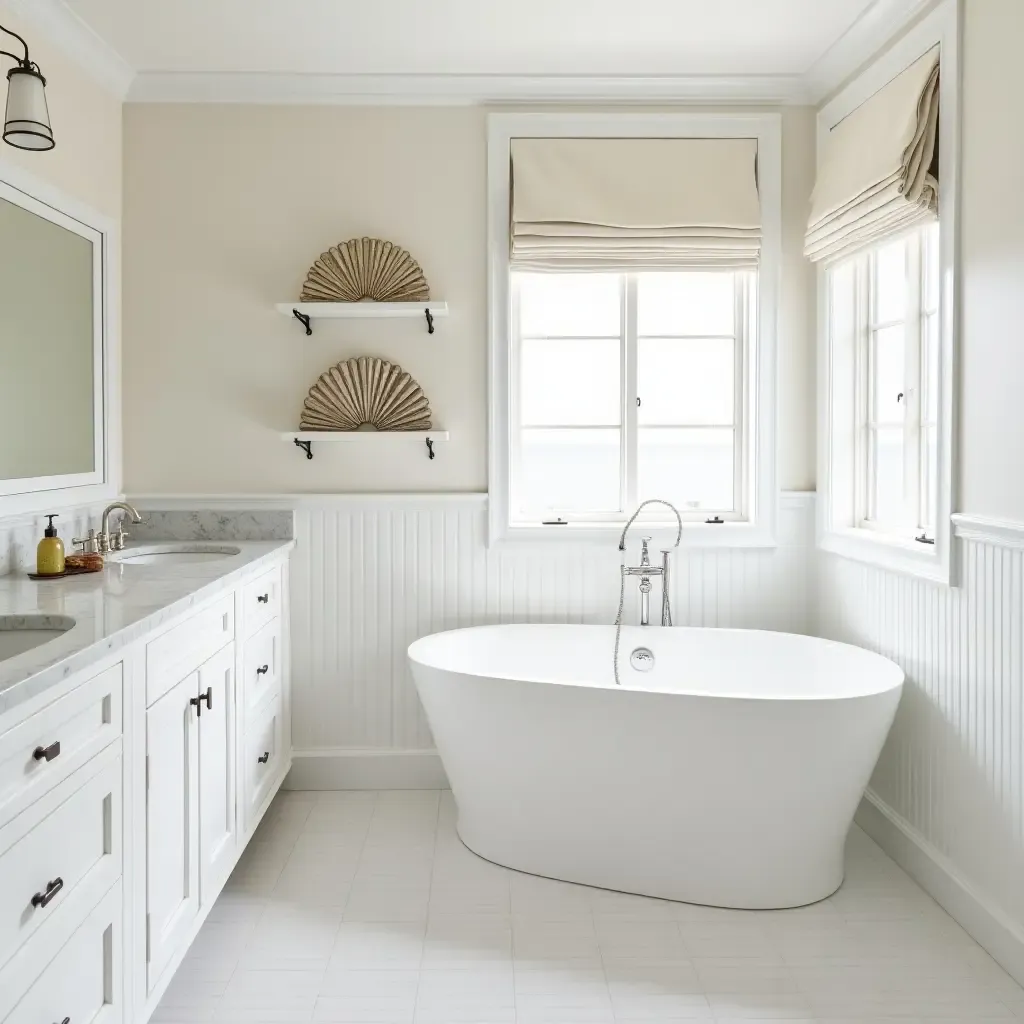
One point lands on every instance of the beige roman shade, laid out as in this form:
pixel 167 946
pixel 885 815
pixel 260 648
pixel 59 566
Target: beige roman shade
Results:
pixel 877 173
pixel 629 204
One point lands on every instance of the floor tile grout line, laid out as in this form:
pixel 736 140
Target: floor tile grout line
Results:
pixel 426 920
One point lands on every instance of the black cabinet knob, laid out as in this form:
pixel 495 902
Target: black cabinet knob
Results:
pixel 263 598
pixel 265 758
pixel 262 670
pixel 47 753
pixel 52 888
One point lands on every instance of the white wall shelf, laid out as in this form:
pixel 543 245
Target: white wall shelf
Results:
pixel 306 312
pixel 304 438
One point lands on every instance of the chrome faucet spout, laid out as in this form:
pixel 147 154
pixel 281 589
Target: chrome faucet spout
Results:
pixel 640 508
pixel 104 540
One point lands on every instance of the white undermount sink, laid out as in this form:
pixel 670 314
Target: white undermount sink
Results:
pixel 21 633
pixel 174 554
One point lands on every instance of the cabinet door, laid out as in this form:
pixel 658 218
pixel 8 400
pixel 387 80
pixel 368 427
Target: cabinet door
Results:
pixel 217 829
pixel 172 823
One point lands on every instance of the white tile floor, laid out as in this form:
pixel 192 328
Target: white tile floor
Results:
pixel 360 907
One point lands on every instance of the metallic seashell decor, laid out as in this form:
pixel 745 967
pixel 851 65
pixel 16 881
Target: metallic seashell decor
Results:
pixel 364 269
pixel 364 394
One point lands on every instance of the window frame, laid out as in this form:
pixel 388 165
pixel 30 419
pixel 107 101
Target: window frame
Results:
pixel 759 528
pixel 840 529
pixel 628 339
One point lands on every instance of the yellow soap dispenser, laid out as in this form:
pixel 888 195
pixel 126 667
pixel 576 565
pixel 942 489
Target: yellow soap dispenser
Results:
pixel 50 553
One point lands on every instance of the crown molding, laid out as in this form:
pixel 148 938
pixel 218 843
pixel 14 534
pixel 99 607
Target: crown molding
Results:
pixel 460 90
pixel 66 31
pixel 877 26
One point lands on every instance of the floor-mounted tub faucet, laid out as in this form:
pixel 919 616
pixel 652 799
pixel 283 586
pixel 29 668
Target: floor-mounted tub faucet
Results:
pixel 645 571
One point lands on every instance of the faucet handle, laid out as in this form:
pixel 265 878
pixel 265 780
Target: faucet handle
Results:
pixel 645 558
pixel 88 543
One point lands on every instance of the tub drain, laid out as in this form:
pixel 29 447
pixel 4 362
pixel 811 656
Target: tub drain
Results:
pixel 642 659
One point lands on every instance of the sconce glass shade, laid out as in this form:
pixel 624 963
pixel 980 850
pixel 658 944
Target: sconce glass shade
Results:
pixel 27 123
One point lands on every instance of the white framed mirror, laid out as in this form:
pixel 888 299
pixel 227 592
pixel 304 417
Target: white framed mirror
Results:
pixel 57 368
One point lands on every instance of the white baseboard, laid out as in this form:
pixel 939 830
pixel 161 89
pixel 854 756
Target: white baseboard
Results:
pixel 366 769
pixel 940 878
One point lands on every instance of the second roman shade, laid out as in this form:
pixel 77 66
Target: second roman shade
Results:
pixel 634 204
pixel 877 175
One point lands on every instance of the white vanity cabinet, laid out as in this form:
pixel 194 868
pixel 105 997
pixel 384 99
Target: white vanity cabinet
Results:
pixel 116 840
pixel 191 816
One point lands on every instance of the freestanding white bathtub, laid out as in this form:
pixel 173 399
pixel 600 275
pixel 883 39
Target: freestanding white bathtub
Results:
pixel 728 774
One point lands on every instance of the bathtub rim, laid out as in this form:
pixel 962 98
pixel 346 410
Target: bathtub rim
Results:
pixel 885 665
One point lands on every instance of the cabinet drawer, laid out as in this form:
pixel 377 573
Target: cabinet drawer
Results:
pixel 183 648
pixel 261 600
pixel 67 843
pixel 46 748
pixel 83 981
pixel 262 759
pixel 262 665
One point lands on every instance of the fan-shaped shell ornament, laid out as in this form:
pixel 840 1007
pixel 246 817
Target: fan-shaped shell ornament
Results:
pixel 365 269
pixel 366 394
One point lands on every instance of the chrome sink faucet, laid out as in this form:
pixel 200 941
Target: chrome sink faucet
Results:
pixel 103 541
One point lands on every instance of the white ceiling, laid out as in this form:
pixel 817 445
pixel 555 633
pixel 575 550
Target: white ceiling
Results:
pixel 472 37
pixel 471 51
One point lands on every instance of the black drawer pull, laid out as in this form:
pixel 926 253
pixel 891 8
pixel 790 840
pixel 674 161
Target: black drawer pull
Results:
pixel 262 670
pixel 47 753
pixel 263 598
pixel 52 888
pixel 265 758
pixel 197 702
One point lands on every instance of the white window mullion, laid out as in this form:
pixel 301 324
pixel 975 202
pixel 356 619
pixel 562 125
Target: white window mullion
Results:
pixel 630 429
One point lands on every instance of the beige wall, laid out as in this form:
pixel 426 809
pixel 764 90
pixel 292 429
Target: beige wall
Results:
pixel 86 118
pixel 992 345
pixel 225 209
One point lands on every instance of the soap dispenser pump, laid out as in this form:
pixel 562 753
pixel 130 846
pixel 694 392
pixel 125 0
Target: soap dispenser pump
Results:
pixel 50 552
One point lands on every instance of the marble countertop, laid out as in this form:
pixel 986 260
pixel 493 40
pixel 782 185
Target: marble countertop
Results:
pixel 112 609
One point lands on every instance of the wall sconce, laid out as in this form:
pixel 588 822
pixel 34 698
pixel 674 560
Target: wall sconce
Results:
pixel 27 122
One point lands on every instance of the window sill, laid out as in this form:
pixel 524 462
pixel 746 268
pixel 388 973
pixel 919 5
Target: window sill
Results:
pixel 695 535
pixel 896 554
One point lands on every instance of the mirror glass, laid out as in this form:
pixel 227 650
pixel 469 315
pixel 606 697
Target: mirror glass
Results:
pixel 47 336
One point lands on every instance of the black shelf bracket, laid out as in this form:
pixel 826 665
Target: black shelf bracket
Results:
pixel 306 446
pixel 430 449
pixel 303 319
pixel 430 320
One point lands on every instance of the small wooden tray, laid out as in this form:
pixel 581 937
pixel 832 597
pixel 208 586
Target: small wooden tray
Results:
pixel 61 575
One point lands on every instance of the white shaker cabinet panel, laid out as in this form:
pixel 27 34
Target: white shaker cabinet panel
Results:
pixel 172 823
pixel 82 984
pixel 218 832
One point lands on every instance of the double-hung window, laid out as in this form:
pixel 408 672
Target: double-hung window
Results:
pixel 634 264
pixel 895 298
pixel 883 228
pixel 628 387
